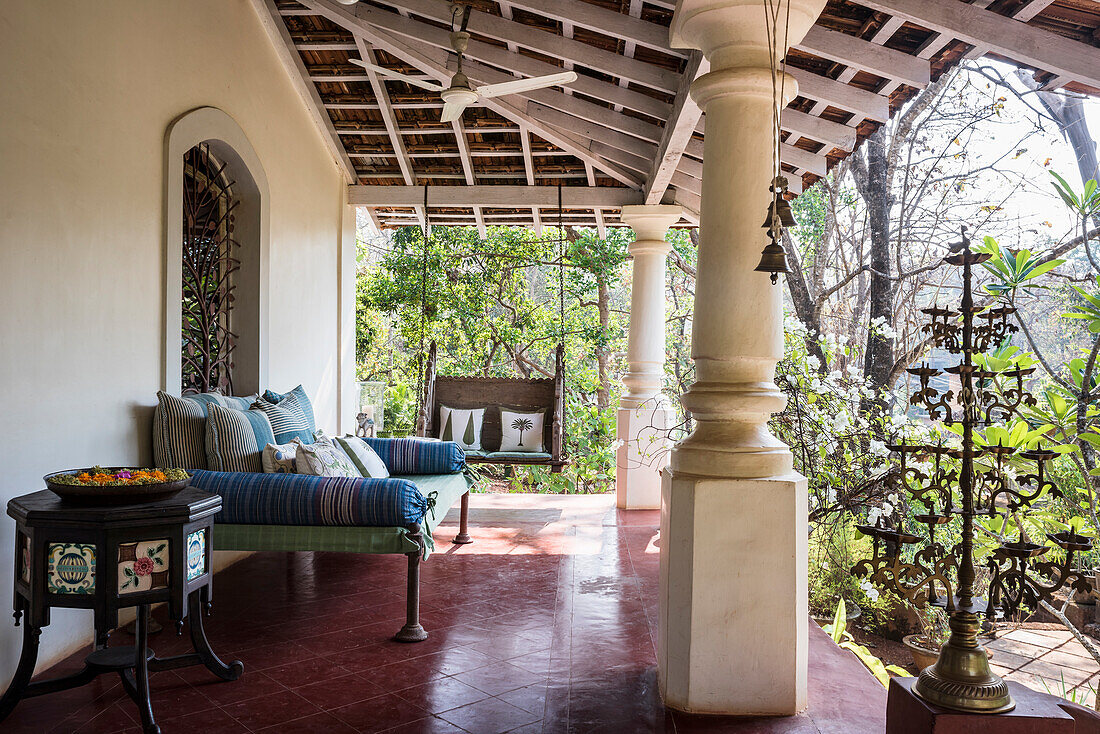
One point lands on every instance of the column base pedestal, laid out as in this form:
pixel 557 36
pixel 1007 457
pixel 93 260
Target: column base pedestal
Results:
pixel 1035 713
pixel 732 637
pixel 641 457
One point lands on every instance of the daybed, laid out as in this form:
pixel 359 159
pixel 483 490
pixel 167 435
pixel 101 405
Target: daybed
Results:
pixel 294 512
pixel 297 512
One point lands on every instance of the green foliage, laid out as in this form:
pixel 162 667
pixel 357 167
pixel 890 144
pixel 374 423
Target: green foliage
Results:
pixel 494 308
pixel 399 409
pixel 837 630
pixel 1013 269
pixel 1084 205
pixel 1089 311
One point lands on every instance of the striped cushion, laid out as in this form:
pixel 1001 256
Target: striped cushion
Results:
pixel 417 456
pixel 296 499
pixel 288 419
pixel 299 394
pixel 235 438
pixel 179 427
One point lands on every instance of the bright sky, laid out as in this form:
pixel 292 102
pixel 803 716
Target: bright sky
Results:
pixel 1032 212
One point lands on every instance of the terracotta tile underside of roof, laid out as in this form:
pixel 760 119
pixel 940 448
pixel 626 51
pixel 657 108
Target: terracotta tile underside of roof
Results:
pixel 422 151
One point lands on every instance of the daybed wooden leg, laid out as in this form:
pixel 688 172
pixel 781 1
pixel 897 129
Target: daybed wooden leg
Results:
pixel 463 536
pixel 412 631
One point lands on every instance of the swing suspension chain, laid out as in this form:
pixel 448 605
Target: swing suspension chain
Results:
pixel 561 271
pixel 562 250
pixel 425 232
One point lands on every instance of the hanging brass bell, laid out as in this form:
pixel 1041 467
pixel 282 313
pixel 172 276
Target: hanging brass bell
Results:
pixel 780 206
pixel 773 260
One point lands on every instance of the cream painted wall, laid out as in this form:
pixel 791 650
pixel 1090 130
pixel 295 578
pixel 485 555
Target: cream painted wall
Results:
pixel 89 89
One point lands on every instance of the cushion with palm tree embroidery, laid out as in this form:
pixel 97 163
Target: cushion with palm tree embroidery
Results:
pixel 463 426
pixel 521 432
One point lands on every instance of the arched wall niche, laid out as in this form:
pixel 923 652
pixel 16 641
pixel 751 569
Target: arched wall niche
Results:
pixel 250 319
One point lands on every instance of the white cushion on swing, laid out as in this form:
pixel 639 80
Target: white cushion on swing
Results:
pixel 463 426
pixel 521 432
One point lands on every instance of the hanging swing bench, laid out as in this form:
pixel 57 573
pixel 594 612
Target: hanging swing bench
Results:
pixel 496 395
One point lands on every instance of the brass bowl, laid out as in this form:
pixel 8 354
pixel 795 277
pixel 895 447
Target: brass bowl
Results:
pixel 122 494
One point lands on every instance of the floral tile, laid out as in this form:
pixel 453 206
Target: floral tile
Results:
pixel 70 568
pixel 142 566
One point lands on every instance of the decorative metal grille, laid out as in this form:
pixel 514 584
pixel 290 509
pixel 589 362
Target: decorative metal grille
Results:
pixel 208 266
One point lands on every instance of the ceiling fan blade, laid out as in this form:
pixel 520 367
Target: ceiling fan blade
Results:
pixel 422 83
pixel 526 85
pixel 452 111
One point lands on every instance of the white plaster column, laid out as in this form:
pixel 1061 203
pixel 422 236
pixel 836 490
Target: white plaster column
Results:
pixel 733 607
pixel 644 414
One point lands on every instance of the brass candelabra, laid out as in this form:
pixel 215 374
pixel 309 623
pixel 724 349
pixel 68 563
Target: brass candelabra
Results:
pixel 1018 575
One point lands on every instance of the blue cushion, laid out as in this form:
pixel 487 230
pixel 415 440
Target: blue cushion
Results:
pixel 288 419
pixel 417 456
pixel 235 439
pixel 299 394
pixel 297 499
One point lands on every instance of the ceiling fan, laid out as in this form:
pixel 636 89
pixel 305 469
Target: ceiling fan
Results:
pixel 461 93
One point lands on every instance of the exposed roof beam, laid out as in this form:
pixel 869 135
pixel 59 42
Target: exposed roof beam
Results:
pixel 597 213
pixel 516 62
pixel 1011 38
pixel 1029 10
pixel 374 219
pixel 529 171
pixel 678 131
pixel 580 197
pixel 435 63
pixel 339 78
pixel 884 33
pixel 643 150
pixel 299 77
pixel 331 46
pixel 1024 13
pixel 459 154
pixel 634 9
pixel 856 52
pixel 817 128
pixel 603 21
pixel 426 131
pixel 802 125
pixel 844 96
pixel 468 170
pixel 803 159
pixel 389 120
pixel 548 43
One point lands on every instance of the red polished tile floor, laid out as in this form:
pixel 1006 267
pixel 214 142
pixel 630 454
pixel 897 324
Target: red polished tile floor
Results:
pixel 546 623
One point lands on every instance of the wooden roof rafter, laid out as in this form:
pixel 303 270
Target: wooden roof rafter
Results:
pixel 627 123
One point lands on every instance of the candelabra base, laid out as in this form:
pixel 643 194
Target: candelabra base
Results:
pixel 1035 713
pixel 962 680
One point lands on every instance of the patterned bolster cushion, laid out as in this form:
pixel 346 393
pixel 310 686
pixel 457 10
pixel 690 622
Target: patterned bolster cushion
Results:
pixel 417 456
pixel 297 499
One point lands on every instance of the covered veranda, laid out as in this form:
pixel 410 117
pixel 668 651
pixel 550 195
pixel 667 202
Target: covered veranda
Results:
pixel 700 608
pixel 570 649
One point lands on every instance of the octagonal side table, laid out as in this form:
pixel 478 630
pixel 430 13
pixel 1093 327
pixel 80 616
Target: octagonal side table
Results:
pixel 106 559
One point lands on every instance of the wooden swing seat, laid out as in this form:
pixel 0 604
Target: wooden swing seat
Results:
pixel 493 393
